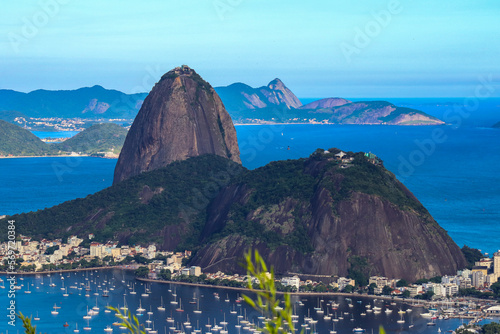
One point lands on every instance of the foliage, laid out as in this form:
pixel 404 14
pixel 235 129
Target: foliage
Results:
pixel 348 289
pixel 30 329
pixel 121 208
pixel 102 137
pixel 405 294
pixel 266 298
pixel 421 281
pixel 51 250
pixel 386 290
pixel 129 321
pixel 402 282
pixel 491 328
pixel 270 186
pixel 495 287
pixel 370 179
pixel 17 141
pixel 142 272
pixel 426 296
pixel 435 279
pixel 472 255
pixel 165 275
pixel 359 270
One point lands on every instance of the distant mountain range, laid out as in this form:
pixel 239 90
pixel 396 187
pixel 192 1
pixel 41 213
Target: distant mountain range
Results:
pixel 274 103
pixel 99 140
pixel 90 102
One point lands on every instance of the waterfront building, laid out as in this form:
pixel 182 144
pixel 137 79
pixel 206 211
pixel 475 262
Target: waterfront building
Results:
pixel 291 281
pixel 496 263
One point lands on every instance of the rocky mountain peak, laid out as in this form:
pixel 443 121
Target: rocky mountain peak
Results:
pixel 181 117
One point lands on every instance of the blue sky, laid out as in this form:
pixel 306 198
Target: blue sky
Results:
pixel 362 48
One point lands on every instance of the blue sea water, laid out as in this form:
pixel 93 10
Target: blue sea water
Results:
pixel 456 177
pixel 71 309
pixel 54 134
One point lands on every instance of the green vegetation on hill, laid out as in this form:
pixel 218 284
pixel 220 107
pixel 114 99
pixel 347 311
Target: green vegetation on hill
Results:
pixel 10 115
pixel 272 185
pixel 136 209
pixel 99 138
pixel 104 137
pixel 472 255
pixel 16 141
pixel 276 209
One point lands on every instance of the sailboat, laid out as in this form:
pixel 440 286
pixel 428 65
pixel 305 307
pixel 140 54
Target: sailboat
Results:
pixel 55 312
pixel 179 309
pixel 124 307
pixel 65 294
pixel 51 284
pixel 174 302
pixel 107 310
pixel 198 311
pixel 37 318
pixel 133 290
pixel 161 307
pixel 140 309
pixel 76 330
pixel 333 331
pixel 87 328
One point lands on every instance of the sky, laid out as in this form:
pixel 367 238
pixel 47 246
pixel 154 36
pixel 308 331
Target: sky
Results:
pixel 352 49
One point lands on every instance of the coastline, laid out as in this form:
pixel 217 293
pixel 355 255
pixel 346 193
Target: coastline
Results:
pixel 45 156
pixel 63 270
pixel 314 294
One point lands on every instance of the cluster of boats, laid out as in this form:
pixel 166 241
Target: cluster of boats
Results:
pixel 183 314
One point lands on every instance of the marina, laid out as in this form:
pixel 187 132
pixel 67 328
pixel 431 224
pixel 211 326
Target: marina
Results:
pixel 203 309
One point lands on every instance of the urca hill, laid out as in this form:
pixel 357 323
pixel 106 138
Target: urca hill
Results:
pixel 333 213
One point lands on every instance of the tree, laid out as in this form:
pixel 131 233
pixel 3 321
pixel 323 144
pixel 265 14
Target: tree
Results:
pixel 495 287
pixel 472 255
pixel 51 250
pixel 406 294
pixel 386 290
pixel 435 279
pixel 492 328
pixel 348 289
pixel 371 288
pixel 402 282
pixel 165 274
pixel 142 272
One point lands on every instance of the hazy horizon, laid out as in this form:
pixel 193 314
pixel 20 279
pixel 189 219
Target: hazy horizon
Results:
pixel 368 48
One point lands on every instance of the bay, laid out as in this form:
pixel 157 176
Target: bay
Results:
pixel 121 285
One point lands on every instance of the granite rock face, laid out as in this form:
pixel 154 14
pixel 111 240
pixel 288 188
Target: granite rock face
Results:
pixel 181 117
pixel 365 232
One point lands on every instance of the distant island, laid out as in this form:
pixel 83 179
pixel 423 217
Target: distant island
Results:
pixel 102 140
pixel 274 103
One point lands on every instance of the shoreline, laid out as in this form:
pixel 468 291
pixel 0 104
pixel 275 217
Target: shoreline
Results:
pixel 63 270
pixel 314 294
pixel 46 156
